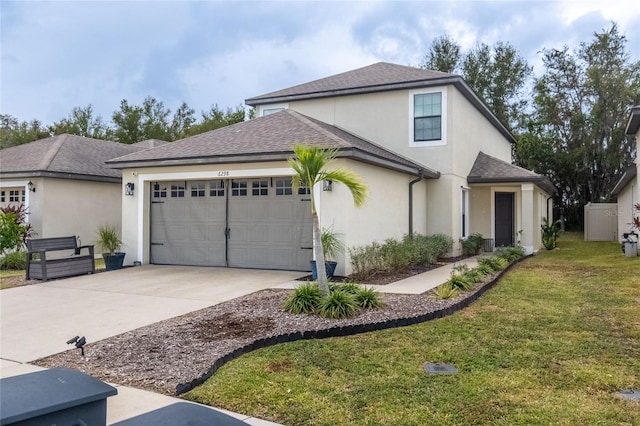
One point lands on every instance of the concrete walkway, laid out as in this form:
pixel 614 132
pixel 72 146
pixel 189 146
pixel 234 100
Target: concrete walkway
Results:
pixel 37 320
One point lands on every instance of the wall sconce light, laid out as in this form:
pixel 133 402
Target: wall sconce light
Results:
pixel 128 188
pixel 327 185
pixel 31 186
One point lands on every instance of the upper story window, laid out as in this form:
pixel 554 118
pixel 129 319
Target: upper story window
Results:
pixel 428 117
pixel 272 109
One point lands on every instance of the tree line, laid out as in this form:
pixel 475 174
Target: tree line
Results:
pixel 130 123
pixel 569 121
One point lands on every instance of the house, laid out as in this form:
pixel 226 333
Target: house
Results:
pixel 436 160
pixel 627 189
pixel 65 184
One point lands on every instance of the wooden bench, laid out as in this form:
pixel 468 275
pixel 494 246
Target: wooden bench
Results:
pixel 60 265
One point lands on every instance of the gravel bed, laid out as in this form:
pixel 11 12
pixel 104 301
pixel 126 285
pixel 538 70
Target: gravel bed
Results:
pixel 172 356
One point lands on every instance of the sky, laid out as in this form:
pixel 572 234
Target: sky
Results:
pixel 57 55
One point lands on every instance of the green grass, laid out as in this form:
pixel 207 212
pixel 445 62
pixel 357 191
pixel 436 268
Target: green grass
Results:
pixel 550 344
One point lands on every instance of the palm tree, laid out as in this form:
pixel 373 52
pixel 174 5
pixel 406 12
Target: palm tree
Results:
pixel 309 166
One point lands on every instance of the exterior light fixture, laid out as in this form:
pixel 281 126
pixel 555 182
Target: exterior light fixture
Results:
pixel 31 186
pixel 327 185
pixel 128 188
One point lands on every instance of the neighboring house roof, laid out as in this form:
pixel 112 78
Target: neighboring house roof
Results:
pixel 628 175
pixel 488 169
pixel 150 143
pixel 268 138
pixel 634 121
pixel 64 156
pixel 378 77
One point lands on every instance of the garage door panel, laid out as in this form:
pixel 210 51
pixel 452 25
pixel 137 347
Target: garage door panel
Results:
pixel 266 230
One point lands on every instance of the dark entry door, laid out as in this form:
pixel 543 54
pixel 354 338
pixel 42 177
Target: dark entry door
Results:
pixel 505 218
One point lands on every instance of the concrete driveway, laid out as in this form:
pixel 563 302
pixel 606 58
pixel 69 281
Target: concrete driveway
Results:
pixel 38 319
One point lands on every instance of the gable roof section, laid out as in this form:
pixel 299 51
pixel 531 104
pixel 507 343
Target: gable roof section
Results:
pixel 269 138
pixel 64 156
pixel 379 77
pixel 488 169
pixel 629 174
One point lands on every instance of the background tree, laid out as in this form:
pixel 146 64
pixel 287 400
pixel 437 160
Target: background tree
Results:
pixel 498 74
pixel 81 122
pixel 14 132
pixel 581 107
pixel 128 123
pixel 216 118
pixel 183 120
pixel 310 167
pixel 444 55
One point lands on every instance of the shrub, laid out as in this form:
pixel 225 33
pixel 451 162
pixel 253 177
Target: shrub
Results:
pixel 485 269
pixel 496 263
pixel 444 291
pixel 304 300
pixel 474 275
pixel 459 282
pixel 550 232
pixel 368 298
pixel 350 287
pixel 510 254
pixel 339 304
pixel 395 256
pixel 14 261
pixel 472 244
pixel 14 230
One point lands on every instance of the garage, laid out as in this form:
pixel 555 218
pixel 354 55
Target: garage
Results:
pixel 258 223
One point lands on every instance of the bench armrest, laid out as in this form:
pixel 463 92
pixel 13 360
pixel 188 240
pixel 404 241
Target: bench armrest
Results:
pixel 42 253
pixel 88 246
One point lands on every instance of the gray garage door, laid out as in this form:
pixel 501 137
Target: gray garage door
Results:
pixel 241 223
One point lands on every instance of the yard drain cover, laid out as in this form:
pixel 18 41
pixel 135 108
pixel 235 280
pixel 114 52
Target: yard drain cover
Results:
pixel 439 368
pixel 631 394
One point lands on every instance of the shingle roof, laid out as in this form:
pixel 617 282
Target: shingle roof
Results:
pixel 378 77
pixel 267 138
pixel 373 77
pixel 64 155
pixel 488 169
pixel 628 175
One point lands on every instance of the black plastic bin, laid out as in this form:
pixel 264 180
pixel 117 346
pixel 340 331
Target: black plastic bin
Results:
pixel 60 396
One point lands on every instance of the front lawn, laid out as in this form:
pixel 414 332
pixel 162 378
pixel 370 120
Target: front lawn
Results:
pixel 550 344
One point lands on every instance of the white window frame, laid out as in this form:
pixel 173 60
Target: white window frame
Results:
pixel 264 110
pixel 443 117
pixel 464 213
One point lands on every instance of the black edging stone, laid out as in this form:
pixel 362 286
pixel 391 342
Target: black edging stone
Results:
pixel 340 331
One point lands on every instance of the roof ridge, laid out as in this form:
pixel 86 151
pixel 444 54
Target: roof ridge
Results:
pixel 53 151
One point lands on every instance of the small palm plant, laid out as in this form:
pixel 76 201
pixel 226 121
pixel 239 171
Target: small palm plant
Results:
pixel 310 167
pixel 108 240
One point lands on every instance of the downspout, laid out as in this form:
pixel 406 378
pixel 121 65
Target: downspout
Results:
pixel 413 182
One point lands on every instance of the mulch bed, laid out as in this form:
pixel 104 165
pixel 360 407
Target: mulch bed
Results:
pixel 173 356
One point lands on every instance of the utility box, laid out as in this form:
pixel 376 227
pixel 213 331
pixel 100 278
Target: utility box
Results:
pixel 60 396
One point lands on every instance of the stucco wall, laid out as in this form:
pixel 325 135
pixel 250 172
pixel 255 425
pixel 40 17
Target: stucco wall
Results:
pixel 480 210
pixel 63 207
pixel 627 198
pixel 384 215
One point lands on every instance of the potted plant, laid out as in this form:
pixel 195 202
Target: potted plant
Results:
pixel 110 244
pixel 332 247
